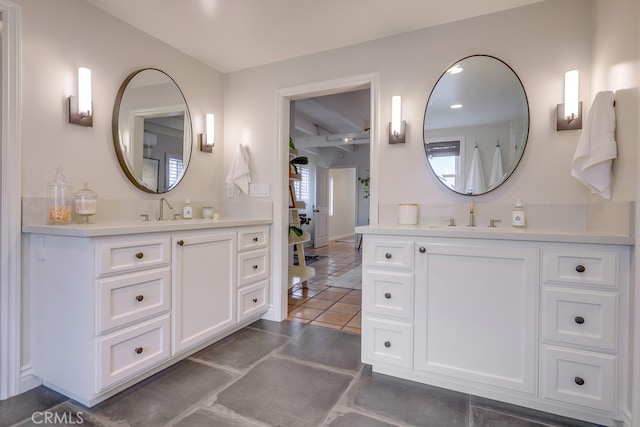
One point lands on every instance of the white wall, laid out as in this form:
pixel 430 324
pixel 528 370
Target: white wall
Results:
pixel 410 64
pixel 57 37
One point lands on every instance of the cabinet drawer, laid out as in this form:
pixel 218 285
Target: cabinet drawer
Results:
pixel 580 317
pixel 124 299
pixel 252 266
pixel 252 300
pixel 387 342
pixel 579 377
pixel 389 254
pixel 253 238
pixel 580 267
pixel 130 255
pixel 126 353
pixel 388 294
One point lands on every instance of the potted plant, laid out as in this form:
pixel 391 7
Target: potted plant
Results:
pixel 295 161
pixel 365 184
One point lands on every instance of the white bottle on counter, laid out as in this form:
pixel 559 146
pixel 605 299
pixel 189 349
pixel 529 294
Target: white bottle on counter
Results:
pixel 519 215
pixel 187 210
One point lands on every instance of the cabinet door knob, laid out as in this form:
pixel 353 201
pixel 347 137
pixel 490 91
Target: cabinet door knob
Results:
pixel 580 268
pixel 422 249
pixel 139 255
pixel 180 242
pixel 255 239
pixel 387 255
pixel 387 295
pixel 255 267
pixel 255 300
pixel 387 344
pixel 579 320
pixel 579 381
pixel 138 350
pixel 139 298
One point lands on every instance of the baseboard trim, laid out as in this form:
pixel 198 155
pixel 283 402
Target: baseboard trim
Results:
pixel 28 380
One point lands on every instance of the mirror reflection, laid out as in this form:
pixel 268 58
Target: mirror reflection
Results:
pixel 152 131
pixel 476 125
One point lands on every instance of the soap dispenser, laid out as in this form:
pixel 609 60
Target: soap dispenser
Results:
pixel 519 215
pixel 187 210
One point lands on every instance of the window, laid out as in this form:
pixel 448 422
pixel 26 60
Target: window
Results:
pixel 445 158
pixel 330 195
pixel 174 170
pixel 301 187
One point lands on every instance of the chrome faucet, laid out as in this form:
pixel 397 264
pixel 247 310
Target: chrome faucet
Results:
pixel 472 222
pixel 162 199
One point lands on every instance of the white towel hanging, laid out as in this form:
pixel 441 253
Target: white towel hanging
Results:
pixel 597 146
pixel 475 179
pixel 239 173
pixel 496 170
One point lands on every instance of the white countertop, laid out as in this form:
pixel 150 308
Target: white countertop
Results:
pixel 499 233
pixel 138 227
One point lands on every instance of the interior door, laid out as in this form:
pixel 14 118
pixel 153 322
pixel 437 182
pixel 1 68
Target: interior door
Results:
pixel 321 208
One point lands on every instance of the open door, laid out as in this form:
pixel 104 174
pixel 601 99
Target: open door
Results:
pixel 321 208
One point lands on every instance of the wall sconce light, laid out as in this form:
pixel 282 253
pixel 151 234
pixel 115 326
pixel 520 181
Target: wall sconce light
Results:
pixel 569 114
pixel 206 138
pixel 397 125
pixel 80 106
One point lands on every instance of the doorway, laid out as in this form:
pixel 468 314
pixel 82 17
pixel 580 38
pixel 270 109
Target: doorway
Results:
pixel 279 291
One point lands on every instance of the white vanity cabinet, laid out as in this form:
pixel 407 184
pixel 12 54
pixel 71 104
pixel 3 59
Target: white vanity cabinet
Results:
pixel 478 313
pixel 203 286
pixel 253 272
pixel 530 322
pixel 110 310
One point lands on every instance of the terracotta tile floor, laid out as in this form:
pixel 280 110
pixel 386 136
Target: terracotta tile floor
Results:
pixel 322 304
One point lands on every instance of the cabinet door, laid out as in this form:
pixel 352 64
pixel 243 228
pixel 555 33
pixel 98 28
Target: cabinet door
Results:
pixel 476 314
pixel 203 287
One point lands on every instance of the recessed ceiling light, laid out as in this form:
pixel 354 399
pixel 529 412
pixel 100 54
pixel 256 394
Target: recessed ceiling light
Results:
pixel 455 106
pixel 455 69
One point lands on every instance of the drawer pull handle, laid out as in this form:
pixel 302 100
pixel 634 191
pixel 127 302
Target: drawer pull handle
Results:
pixel 255 239
pixel 422 249
pixel 387 295
pixel 139 298
pixel 579 381
pixel 255 267
pixel 387 344
pixel 138 350
pixel 387 255
pixel 580 268
pixel 579 320
pixel 180 242
pixel 139 255
pixel 255 300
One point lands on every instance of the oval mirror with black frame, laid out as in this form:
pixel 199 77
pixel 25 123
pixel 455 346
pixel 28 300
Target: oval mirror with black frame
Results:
pixel 152 132
pixel 476 125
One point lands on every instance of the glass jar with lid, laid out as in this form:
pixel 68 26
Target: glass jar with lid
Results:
pixel 59 200
pixel 85 202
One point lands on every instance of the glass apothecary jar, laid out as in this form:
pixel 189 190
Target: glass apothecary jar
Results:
pixel 85 202
pixel 58 200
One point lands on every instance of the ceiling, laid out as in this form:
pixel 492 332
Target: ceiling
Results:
pixel 231 35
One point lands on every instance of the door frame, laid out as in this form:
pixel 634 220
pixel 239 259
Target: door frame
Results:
pixel 278 306
pixel 10 205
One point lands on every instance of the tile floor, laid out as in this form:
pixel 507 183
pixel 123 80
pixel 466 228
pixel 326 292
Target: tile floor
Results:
pixel 285 374
pixel 322 304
